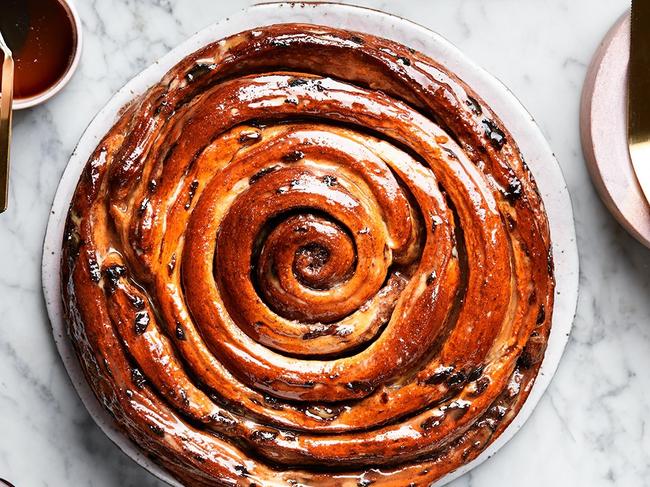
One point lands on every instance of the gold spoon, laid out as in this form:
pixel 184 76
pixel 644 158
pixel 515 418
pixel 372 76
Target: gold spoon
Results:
pixel 6 101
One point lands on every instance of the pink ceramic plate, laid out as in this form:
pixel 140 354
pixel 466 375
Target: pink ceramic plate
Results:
pixel 603 127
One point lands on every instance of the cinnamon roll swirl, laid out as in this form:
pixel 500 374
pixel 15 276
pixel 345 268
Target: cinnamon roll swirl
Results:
pixel 308 257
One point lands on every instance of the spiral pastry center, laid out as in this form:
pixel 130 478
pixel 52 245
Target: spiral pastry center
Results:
pixel 304 253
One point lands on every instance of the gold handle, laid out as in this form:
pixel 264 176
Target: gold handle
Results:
pixel 6 102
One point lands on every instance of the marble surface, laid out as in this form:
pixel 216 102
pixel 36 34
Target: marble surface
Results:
pixel 590 427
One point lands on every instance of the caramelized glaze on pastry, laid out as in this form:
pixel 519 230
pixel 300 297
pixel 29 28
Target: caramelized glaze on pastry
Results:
pixel 308 257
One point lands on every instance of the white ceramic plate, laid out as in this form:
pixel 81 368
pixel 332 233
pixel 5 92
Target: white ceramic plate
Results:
pixel 531 142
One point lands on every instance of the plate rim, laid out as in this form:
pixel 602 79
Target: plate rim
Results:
pixel 501 100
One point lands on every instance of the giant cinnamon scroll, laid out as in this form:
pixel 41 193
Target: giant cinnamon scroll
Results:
pixel 308 257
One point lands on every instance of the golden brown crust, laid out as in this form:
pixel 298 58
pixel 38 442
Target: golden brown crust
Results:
pixel 309 257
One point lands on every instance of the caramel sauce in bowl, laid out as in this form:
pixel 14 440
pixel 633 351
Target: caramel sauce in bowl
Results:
pixel 45 39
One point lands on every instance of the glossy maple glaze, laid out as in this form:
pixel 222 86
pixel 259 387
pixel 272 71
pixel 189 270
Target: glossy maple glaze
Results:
pixel 307 247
